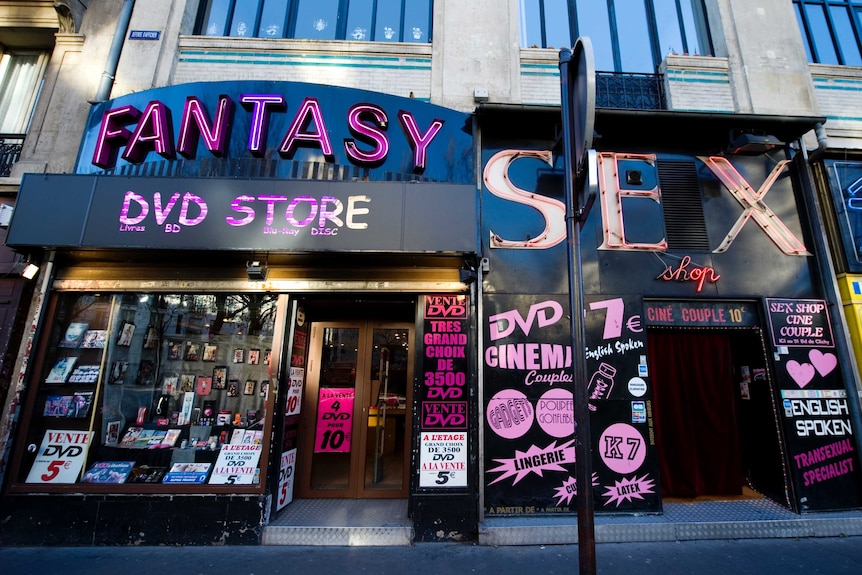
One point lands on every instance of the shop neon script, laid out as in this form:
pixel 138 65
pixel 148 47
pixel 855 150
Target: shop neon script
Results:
pixel 153 131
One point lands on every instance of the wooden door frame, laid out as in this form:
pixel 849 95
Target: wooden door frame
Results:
pixel 359 440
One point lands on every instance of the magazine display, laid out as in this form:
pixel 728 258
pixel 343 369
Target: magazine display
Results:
pixel 85 374
pixel 74 334
pixel 61 370
pixel 158 402
pixel 94 338
pixel 108 472
pixel 118 372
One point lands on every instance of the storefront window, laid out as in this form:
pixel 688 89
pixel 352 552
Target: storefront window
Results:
pixel 153 388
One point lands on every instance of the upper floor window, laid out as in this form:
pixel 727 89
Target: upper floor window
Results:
pixel 627 35
pixel 20 80
pixel 831 30
pixel 361 20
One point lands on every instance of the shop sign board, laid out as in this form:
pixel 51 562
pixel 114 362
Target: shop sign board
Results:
pixel 333 431
pixel 443 399
pixel 815 409
pixel 799 322
pixel 60 457
pixel 228 214
pixel 294 391
pixel 704 313
pixel 286 474
pixel 443 459
pixel 278 123
pixel 236 465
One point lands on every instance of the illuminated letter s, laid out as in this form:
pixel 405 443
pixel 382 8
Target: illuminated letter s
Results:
pixel 498 183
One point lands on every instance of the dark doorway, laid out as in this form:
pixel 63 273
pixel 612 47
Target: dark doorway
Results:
pixel 716 426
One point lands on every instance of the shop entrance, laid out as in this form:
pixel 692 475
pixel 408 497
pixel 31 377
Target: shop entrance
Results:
pixel 356 417
pixel 716 427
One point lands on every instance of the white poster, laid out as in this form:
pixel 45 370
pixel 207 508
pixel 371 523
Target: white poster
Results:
pixel 294 391
pixel 61 456
pixel 443 459
pixel 285 478
pixel 236 465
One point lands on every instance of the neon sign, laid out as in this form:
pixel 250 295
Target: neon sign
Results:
pixel 686 271
pixel 755 208
pixel 612 195
pixel 153 131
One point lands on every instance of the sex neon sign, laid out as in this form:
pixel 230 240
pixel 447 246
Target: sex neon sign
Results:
pixel 610 200
pixel 153 131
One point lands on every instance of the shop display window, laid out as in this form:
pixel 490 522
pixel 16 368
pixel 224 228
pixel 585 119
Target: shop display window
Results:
pixel 149 388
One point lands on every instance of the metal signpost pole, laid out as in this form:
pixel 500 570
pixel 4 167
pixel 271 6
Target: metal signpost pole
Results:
pixel 578 107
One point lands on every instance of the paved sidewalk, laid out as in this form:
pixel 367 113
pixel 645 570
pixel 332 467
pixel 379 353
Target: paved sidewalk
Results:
pixel 831 555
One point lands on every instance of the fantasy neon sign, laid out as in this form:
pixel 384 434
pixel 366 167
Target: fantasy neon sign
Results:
pixel 153 131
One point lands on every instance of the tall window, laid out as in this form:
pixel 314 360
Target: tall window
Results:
pixel 360 20
pixel 627 35
pixel 20 80
pixel 831 30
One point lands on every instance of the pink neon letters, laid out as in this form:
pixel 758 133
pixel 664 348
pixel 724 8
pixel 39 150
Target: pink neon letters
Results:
pixel 367 123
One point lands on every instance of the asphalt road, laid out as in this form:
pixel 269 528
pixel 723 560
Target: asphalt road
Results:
pixel 837 555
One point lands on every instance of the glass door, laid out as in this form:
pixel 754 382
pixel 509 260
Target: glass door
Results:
pixel 356 411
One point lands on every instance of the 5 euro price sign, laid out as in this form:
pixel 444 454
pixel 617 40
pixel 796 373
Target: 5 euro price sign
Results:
pixel 60 457
pixel 236 465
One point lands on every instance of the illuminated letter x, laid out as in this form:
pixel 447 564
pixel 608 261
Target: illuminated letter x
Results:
pixel 754 207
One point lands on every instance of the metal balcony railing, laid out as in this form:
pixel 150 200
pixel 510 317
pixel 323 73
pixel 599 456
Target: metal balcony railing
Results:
pixel 629 91
pixel 10 151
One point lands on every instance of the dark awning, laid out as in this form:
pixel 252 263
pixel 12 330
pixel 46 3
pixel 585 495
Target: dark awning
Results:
pixel 654 130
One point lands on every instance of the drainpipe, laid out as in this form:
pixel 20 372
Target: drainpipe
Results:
pixel 107 81
pixel 822 143
pixel 829 283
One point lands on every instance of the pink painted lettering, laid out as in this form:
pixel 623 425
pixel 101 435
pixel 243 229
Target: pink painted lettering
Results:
pixel 237 206
pixel 543 314
pixel 139 201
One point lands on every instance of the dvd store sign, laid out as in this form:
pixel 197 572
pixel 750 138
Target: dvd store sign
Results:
pixel 322 216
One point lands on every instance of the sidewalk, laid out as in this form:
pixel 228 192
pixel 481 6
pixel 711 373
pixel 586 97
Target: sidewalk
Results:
pixel 832 555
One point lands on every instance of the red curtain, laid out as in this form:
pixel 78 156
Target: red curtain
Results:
pixel 695 413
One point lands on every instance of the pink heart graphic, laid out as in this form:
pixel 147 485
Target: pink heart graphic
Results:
pixel 823 362
pixel 802 373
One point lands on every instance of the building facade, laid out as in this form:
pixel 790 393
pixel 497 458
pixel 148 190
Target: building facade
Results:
pixel 317 250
